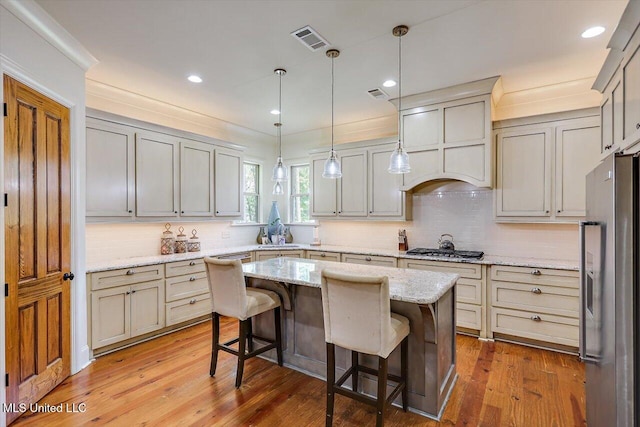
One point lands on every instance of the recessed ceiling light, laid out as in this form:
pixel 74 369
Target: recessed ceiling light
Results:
pixel 275 112
pixel 389 83
pixel 592 32
pixel 194 79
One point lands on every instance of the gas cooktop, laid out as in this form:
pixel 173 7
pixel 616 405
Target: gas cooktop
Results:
pixel 445 253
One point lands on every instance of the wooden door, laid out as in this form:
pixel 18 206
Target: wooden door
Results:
pixel 37 243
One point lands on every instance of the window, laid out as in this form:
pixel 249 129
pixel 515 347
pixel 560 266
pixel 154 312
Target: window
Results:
pixel 251 192
pixel 300 210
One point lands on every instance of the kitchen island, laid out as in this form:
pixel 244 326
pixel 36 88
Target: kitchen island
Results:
pixel 426 298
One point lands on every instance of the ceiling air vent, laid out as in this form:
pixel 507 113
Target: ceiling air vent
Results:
pixel 378 93
pixel 310 38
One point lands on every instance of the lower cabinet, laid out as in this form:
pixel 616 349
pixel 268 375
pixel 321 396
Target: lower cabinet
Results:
pixel 124 312
pixel 270 254
pixel 384 261
pixel 535 304
pixel 470 291
pixel 186 291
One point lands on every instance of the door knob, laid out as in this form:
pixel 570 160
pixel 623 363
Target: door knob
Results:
pixel 68 276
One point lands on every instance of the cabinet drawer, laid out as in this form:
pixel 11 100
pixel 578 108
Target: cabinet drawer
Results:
pixel 324 256
pixel 186 286
pixel 469 271
pixel 469 316
pixel 469 291
pixel 191 266
pixel 385 261
pixel 187 309
pixel 549 299
pixel 547 327
pixel 536 276
pixel 126 276
pixel 265 255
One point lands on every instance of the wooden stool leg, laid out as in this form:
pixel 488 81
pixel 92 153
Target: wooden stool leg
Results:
pixel 278 326
pixel 382 391
pixel 215 340
pixel 250 334
pixel 241 351
pixel 404 372
pixel 354 373
pixel 331 379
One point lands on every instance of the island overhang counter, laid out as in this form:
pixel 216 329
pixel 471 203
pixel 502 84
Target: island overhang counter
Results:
pixel 426 298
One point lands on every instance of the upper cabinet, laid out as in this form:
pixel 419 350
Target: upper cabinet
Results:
pixel 619 82
pixel 541 166
pixel 365 191
pixel 110 169
pixel 447 134
pixel 135 173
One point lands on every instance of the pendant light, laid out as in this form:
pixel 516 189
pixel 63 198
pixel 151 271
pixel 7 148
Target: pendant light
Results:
pixel 399 161
pixel 280 173
pixel 332 165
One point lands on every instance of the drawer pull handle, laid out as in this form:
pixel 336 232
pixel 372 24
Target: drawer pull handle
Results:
pixel 536 318
pixel 536 291
pixel 128 292
pixel 368 258
pixel 192 301
pixel 323 255
pixel 130 272
pixel 536 272
pixel 192 279
pixel 192 263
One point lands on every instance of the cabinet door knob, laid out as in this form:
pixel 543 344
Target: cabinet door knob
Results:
pixel 181 212
pixel 536 318
pixel 217 212
pixel 546 211
pixel 637 125
pixel 192 263
pixel 192 301
pixel 68 276
pixel 133 292
pixel 536 291
pixel 128 292
pixel 192 279
pixel 322 255
pixel 130 211
pixel 368 258
pixel 559 211
pixel 536 272
pixel 334 211
pixel 130 272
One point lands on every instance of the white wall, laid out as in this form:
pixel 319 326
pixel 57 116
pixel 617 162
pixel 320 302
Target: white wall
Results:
pixel 55 67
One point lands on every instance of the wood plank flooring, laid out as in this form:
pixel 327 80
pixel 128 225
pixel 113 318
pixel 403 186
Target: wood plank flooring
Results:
pixel 166 382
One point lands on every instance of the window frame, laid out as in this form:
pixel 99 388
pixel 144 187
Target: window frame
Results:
pixel 293 195
pixel 257 194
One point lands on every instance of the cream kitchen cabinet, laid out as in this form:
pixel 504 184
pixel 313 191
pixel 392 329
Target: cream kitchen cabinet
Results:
pixel 125 303
pixel 324 256
pixel 541 166
pixel 535 304
pixel 228 182
pixel 384 261
pixel 447 134
pixel 157 175
pixel 196 179
pixel 110 168
pixel 471 313
pixel 631 94
pixel 270 254
pixel 186 291
pixel 366 189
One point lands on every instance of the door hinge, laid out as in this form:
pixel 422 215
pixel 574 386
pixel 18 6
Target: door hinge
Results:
pixel 6 380
pixel 6 289
pixel 5 110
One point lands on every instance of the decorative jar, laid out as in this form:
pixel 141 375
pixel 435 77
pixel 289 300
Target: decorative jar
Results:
pixel 181 241
pixel 167 241
pixel 194 243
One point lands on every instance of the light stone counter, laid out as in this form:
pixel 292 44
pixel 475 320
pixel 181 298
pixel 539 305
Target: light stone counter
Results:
pixel 426 298
pixel 408 285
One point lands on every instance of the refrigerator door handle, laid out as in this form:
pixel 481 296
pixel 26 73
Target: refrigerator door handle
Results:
pixel 582 351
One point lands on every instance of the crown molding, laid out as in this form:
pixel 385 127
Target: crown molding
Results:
pixel 36 18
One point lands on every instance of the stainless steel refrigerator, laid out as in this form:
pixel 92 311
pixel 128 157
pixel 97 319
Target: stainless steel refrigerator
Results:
pixel 609 297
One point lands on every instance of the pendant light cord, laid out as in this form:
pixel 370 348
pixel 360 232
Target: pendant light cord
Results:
pixel 332 60
pixel 399 91
pixel 280 118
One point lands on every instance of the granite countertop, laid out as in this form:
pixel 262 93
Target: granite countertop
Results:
pixel 488 259
pixel 408 285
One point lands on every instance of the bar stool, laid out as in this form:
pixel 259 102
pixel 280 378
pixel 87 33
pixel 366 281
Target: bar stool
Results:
pixel 357 316
pixel 230 297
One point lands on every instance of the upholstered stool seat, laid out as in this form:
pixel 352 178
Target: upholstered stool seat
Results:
pixel 230 297
pixel 357 316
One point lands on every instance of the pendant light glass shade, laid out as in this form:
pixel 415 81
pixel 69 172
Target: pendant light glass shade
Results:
pixel 280 171
pixel 399 160
pixel 332 167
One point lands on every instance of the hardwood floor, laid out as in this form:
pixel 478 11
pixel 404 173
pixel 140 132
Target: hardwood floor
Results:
pixel 166 382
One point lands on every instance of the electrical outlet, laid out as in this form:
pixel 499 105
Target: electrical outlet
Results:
pixel 226 235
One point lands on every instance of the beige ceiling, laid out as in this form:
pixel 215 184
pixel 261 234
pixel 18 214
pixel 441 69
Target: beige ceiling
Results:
pixel 150 46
